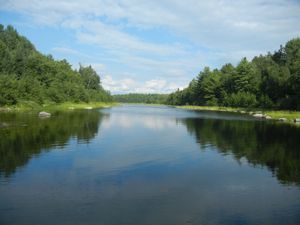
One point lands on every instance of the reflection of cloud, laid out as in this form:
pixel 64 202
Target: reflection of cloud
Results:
pixel 139 135
pixel 127 151
pixel 146 121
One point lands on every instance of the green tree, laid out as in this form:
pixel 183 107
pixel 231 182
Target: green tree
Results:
pixel 90 77
pixel 26 74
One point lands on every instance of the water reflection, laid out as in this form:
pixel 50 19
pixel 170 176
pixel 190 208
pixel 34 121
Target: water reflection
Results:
pixel 25 135
pixel 145 167
pixel 260 143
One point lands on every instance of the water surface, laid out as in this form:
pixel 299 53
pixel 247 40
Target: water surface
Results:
pixel 138 164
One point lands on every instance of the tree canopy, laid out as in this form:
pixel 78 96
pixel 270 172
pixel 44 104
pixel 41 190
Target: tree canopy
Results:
pixel 26 74
pixel 270 81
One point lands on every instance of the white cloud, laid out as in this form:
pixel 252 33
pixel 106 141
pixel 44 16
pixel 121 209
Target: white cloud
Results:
pixel 198 33
pixel 99 67
pixel 129 85
pixel 113 38
pixel 66 51
pixel 212 23
pixel 122 85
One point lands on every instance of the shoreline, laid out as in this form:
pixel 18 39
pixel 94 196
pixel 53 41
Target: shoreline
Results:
pixel 265 114
pixel 29 106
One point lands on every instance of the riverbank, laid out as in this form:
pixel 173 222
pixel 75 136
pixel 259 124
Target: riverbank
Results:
pixel 283 115
pixel 140 104
pixel 33 106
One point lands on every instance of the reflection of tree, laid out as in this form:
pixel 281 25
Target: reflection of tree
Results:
pixel 29 135
pixel 273 145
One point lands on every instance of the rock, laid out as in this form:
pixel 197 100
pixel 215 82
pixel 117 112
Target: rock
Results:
pixel 88 107
pixel 268 117
pixel 71 108
pixel 44 114
pixel 3 125
pixel 282 119
pixel 243 112
pixel 297 120
pixel 258 115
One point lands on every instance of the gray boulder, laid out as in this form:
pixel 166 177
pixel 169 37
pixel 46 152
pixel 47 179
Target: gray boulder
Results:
pixel 44 114
pixel 3 125
pixel 258 115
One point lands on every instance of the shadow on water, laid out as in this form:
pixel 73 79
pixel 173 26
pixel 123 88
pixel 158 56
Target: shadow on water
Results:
pixel 276 146
pixel 25 135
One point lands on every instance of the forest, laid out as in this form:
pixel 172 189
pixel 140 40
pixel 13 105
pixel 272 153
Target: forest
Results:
pixel 141 98
pixel 28 75
pixel 268 81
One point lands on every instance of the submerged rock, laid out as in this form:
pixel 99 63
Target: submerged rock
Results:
pixel 44 114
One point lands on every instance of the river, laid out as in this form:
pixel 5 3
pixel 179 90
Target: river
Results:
pixel 140 165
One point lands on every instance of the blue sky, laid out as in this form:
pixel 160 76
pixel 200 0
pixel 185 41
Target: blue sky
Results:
pixel 153 46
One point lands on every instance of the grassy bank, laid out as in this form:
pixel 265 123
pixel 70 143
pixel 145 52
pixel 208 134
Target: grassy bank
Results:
pixel 33 106
pixel 139 103
pixel 274 114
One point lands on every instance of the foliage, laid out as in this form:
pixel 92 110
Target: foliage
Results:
pixel 26 74
pixel 141 98
pixel 240 99
pixel 270 81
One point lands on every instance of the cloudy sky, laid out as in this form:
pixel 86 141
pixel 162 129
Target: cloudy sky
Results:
pixel 153 46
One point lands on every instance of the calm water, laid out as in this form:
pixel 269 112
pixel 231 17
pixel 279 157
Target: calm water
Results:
pixel 147 165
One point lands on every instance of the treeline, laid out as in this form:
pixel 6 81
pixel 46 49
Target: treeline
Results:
pixel 26 74
pixel 270 81
pixel 141 98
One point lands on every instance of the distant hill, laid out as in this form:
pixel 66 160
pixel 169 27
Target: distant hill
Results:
pixel 26 74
